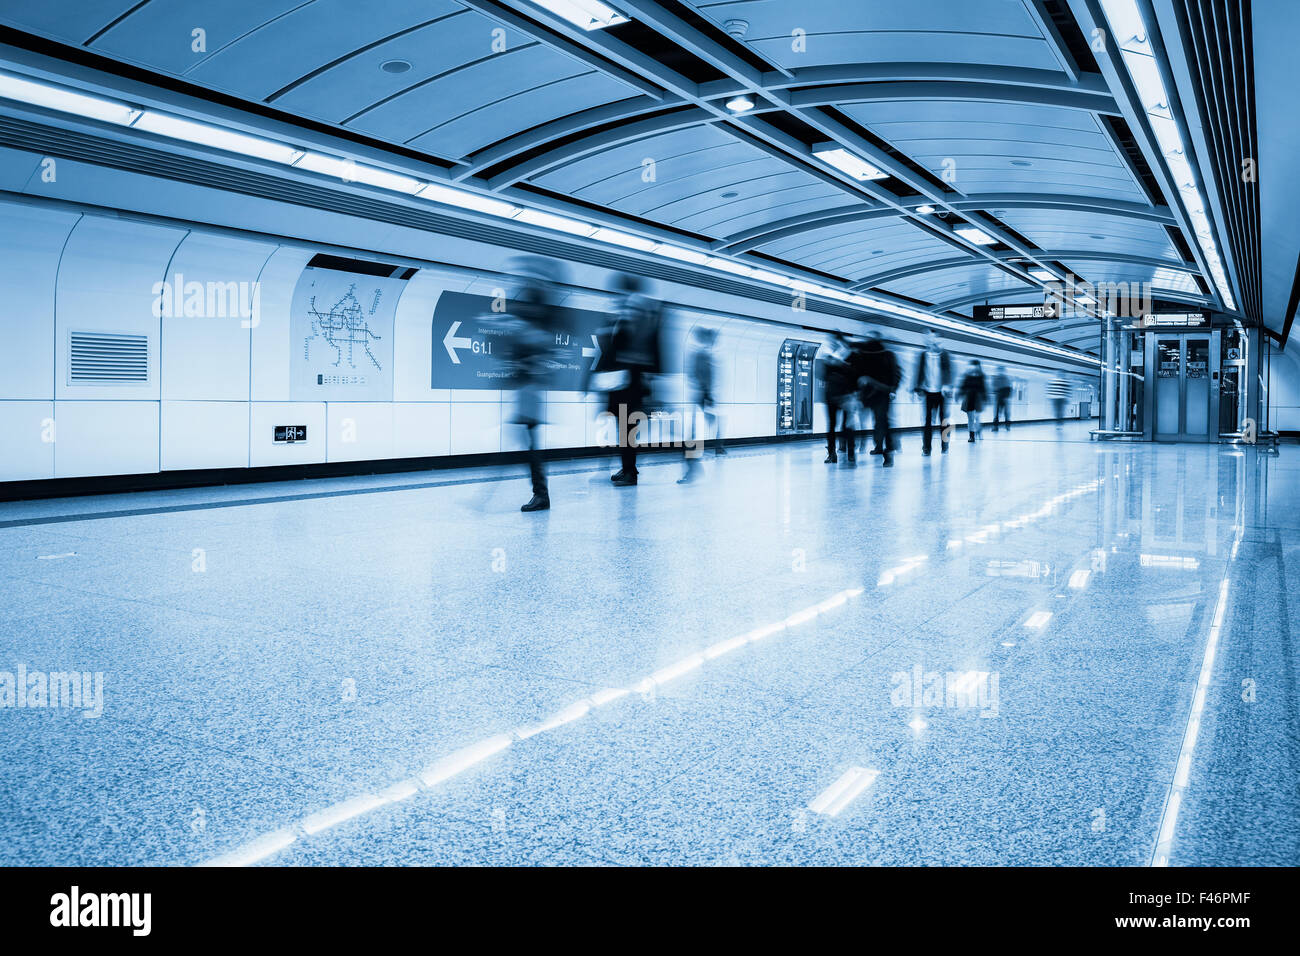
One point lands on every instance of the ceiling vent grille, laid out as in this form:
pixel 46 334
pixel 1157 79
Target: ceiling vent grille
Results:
pixel 108 358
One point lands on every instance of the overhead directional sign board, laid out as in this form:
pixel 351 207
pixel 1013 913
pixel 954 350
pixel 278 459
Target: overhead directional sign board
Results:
pixel 467 345
pixel 1194 319
pixel 1049 309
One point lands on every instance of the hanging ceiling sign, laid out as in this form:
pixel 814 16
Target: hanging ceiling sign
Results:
pixel 1049 309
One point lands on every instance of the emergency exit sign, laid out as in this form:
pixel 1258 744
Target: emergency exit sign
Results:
pixel 290 434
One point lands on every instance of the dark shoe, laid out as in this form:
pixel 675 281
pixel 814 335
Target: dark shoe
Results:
pixel 618 476
pixel 945 449
pixel 537 503
pixel 888 461
pixel 831 460
pixel 852 462
pixel 623 480
pixel 877 451
pixel 925 452
pixel 972 438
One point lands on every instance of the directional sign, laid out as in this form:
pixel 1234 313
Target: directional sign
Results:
pixel 1016 313
pixel 467 345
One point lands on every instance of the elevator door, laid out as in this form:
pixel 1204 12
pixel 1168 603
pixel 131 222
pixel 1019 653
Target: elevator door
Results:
pixel 1182 379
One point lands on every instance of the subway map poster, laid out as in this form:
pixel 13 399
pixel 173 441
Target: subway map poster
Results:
pixel 341 337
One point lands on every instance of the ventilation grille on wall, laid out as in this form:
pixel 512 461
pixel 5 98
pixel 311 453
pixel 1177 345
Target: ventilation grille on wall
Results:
pixel 108 358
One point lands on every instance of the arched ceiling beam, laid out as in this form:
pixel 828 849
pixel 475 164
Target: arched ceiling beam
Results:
pixel 566 126
pixel 838 94
pixel 753 238
pixel 1057 256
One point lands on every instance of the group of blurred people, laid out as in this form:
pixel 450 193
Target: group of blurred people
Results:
pixel 861 377
pixel 630 364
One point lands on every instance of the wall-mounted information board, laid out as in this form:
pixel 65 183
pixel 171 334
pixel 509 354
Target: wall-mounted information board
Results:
pixel 794 386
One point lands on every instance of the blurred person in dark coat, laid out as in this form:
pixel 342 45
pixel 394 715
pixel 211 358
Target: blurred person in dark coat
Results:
pixel 631 355
pixel 528 353
pixel 974 395
pixel 839 383
pixel 933 376
pixel 1001 398
pixel 878 377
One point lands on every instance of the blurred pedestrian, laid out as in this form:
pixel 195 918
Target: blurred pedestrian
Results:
pixel 701 401
pixel 838 386
pixel 1002 398
pixel 878 379
pixel 631 355
pixel 933 376
pixel 974 394
pixel 1058 390
pixel 528 354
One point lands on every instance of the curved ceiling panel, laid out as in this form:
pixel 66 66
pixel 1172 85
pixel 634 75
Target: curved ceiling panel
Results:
pixel 922 31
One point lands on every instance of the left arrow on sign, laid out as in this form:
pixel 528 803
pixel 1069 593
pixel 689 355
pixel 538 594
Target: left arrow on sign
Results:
pixel 451 342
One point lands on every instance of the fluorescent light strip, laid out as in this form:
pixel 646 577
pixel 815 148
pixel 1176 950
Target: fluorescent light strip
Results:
pixel 350 171
pixel 203 134
pixel 66 100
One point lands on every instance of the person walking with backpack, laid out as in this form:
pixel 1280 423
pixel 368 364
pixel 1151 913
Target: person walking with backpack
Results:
pixel 974 393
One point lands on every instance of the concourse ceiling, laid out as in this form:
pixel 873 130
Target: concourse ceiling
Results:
pixel 997 112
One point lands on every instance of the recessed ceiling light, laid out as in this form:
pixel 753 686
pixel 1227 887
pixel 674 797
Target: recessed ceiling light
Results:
pixel 1098 236
pixel 846 162
pixel 925 210
pixel 877 252
pixel 975 235
pixel 1021 162
pixel 741 104
pixel 729 194
pixel 395 66
pixel 588 14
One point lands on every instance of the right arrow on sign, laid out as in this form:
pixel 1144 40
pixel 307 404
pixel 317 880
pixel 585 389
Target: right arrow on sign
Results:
pixel 451 342
pixel 594 352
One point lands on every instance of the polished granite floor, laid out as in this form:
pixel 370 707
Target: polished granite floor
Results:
pixel 1032 650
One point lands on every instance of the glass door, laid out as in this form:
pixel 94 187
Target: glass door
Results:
pixel 1168 388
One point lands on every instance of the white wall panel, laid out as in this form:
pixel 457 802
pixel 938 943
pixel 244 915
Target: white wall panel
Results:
pixel 359 431
pixel 105 438
pixel 475 428
pixel 270 338
pixel 26 445
pixel 421 430
pixel 413 340
pixel 262 449
pixel 206 356
pixel 204 435
pixel 566 425
pixel 31 240
pixel 106 283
